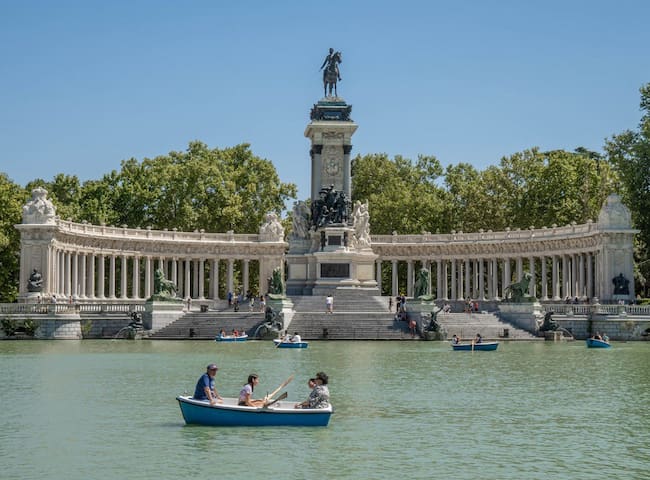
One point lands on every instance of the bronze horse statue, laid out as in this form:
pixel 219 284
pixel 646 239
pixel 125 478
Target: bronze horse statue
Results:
pixel 331 73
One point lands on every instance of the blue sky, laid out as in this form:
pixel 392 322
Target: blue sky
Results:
pixel 86 84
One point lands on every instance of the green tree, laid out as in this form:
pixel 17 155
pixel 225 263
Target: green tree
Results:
pixel 403 196
pixel 629 153
pixel 12 198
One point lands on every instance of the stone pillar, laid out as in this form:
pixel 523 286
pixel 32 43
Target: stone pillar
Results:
pixel 75 275
pixel 196 287
pixel 581 276
pixel 124 267
pixel 91 276
pixel 461 292
pixel 68 270
pixel 454 290
pixel 520 268
pixel 507 276
pixel 544 279
pixel 378 274
pixel 147 277
pixel 230 276
pixel 409 278
pixel 531 286
pixel 590 277
pixel 468 278
pixel 202 279
pixel 244 276
pixel 214 278
pixel 187 284
pixel 395 278
pixel 136 277
pixel 574 276
pixel 495 279
pixel 440 293
pixel 111 277
pixel 475 274
pixel 566 281
pixel 83 281
pixel 101 275
pixel 445 285
pixel 481 279
pixel 556 278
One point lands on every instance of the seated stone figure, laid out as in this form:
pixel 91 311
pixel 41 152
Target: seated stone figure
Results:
pixel 35 282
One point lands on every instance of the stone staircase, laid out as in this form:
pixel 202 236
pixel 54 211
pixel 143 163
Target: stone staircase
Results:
pixel 207 325
pixel 467 325
pixel 355 317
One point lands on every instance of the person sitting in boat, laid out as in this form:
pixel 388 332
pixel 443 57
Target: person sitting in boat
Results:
pixel 296 338
pixel 222 333
pixel 455 339
pixel 605 338
pixel 320 395
pixel 247 392
pixel 478 338
pixel 235 332
pixel 205 389
pixel 597 336
pixel 311 383
pixel 287 337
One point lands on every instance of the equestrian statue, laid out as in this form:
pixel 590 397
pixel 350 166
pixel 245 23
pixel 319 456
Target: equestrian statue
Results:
pixel 331 73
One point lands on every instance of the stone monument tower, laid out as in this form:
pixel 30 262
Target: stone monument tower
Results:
pixel 330 244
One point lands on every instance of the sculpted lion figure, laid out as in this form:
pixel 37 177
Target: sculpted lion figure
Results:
pixel 518 291
pixel 162 286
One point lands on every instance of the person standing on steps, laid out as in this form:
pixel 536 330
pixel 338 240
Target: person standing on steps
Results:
pixel 329 304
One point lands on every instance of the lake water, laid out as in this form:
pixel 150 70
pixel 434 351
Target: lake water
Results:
pixel 107 410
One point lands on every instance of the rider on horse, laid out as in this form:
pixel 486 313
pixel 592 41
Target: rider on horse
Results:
pixel 332 61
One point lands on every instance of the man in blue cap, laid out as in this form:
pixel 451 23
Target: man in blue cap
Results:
pixel 205 389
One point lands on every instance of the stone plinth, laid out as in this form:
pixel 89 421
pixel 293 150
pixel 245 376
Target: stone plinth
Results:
pixel 527 316
pixel 159 314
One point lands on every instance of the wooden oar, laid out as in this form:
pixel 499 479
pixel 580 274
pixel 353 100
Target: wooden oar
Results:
pixel 282 385
pixel 281 397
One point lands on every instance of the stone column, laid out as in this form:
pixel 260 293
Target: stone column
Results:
pixel 101 276
pixel 202 278
pixel 195 280
pixel 574 275
pixel 136 276
pixel 531 286
pixel 544 279
pixel 475 274
pixel 445 284
pixel 83 281
pixel 409 278
pixel 378 274
pixel 468 278
pixel 495 279
pixel 147 277
pixel 91 276
pixel 230 276
pixel 68 276
pixel 187 283
pixel 75 275
pixel 124 267
pixel 581 276
pixel 440 293
pixel 481 278
pixel 520 268
pixel 214 278
pixel 244 276
pixel 566 281
pixel 394 278
pixel 556 278
pixel 111 277
pixel 454 290
pixel 590 276
pixel 461 293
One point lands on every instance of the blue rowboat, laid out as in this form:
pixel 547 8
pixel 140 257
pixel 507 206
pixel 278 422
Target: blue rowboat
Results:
pixel 595 343
pixel 231 338
pixel 485 346
pixel 280 344
pixel 228 413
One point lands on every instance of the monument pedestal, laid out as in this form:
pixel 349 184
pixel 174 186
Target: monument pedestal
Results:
pixel 158 314
pixel 331 264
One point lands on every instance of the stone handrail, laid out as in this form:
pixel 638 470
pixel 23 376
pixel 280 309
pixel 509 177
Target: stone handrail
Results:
pixel 54 308
pixel 584 309
pixel 150 234
pixel 533 233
